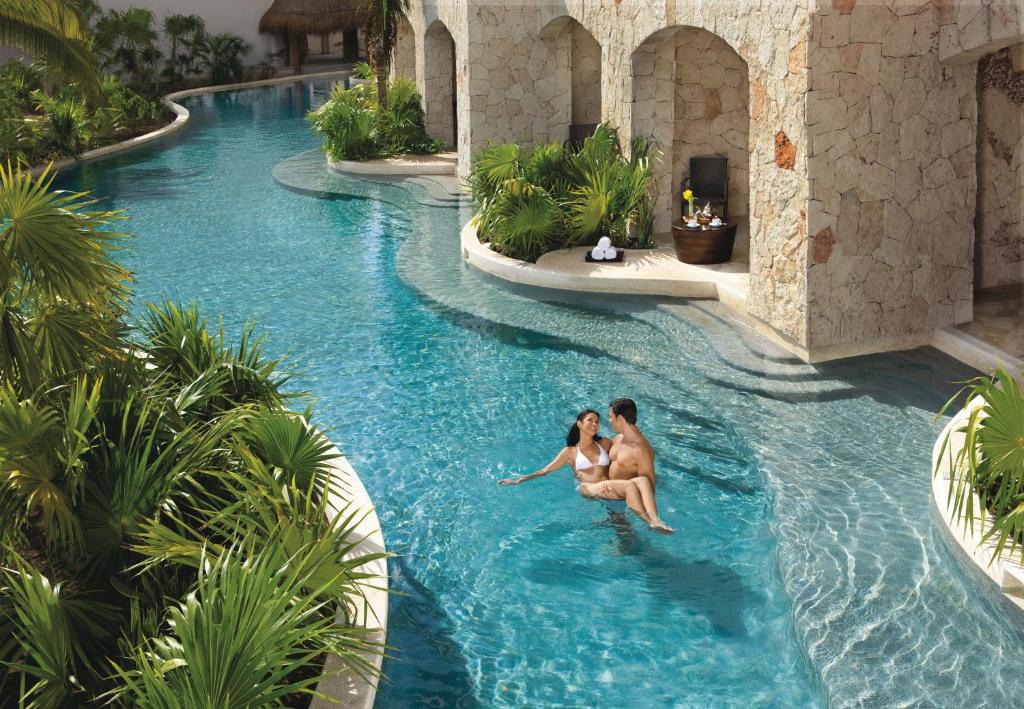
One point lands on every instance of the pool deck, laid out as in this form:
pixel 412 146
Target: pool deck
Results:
pixel 643 272
pixel 436 164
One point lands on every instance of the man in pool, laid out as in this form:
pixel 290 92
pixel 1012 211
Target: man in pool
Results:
pixel 631 474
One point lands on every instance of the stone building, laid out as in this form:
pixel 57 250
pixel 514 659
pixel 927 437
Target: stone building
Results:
pixel 875 147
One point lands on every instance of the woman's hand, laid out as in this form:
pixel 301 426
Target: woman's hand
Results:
pixel 510 481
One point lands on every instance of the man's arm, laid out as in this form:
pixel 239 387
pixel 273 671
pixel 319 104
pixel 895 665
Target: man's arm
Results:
pixel 644 457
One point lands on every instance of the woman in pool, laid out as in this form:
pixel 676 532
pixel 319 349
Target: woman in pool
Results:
pixel 586 453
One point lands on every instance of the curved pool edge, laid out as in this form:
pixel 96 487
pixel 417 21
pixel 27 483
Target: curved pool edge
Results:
pixel 408 165
pixel 1006 574
pixel 181 117
pixel 337 681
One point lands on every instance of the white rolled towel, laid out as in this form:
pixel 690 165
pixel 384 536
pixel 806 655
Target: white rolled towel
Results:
pixel 604 243
pixel 610 253
pixel 597 254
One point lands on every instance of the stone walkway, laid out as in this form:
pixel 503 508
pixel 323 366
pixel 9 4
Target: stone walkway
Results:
pixel 999 319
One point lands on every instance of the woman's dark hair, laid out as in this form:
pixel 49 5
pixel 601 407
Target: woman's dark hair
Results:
pixel 626 408
pixel 574 433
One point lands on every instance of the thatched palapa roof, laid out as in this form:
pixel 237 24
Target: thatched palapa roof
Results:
pixel 311 16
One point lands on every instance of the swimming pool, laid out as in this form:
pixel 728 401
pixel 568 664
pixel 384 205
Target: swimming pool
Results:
pixel 807 569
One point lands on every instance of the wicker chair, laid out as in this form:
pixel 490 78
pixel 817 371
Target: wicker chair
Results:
pixel 709 180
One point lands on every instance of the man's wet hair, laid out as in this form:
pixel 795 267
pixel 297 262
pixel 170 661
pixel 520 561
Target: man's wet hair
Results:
pixel 626 408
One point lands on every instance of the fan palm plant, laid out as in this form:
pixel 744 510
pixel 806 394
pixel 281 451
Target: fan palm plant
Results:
pixel 50 637
pixel 50 29
pixel 381 24
pixel 522 220
pixel 225 58
pixel 240 638
pixel 611 190
pixel 64 130
pixel 991 462
pixel 126 41
pixel 188 33
pixel 62 292
pixel 201 371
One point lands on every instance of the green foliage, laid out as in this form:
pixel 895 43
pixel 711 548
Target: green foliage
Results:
pixel 991 462
pixel 36 125
pixel 363 70
pixel 530 202
pixel 169 534
pixel 189 45
pixel 522 220
pixel 238 638
pixel 131 109
pixel 52 31
pixel 65 129
pixel 380 23
pixel 355 128
pixel 126 43
pixel 225 58
pixel 62 292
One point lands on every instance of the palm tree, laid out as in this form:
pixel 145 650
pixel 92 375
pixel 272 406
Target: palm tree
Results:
pixel 226 52
pixel 127 42
pixel 52 30
pixel 381 22
pixel 189 31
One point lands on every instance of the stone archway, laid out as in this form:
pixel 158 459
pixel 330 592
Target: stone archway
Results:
pixel 575 84
pixel 691 98
pixel 439 92
pixel 404 62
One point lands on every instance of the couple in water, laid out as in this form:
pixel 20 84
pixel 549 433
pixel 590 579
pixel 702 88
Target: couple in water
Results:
pixel 618 469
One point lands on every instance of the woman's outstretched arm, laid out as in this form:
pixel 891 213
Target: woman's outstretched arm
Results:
pixel 561 459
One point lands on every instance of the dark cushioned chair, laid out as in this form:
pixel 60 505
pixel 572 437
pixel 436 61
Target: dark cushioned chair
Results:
pixel 709 180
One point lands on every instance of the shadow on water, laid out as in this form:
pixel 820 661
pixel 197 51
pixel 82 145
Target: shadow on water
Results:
pixel 703 586
pixel 732 487
pixel 441 669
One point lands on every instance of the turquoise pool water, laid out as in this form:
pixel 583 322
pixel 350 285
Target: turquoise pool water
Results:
pixel 807 569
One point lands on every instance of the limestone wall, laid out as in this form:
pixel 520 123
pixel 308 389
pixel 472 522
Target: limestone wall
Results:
pixel 972 28
pixel 519 80
pixel 438 82
pixel 999 249
pixel 404 61
pixel 586 77
pixel 891 172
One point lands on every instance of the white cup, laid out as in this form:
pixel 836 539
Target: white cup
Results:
pixel 716 222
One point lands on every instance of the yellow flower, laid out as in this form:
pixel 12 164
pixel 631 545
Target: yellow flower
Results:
pixel 688 195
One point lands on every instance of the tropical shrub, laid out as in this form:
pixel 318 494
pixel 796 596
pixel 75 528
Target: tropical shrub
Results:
pixel 531 202
pixel 64 130
pixel 363 70
pixel 166 536
pixel 225 58
pixel 189 45
pixel 126 43
pixel 36 125
pixel 991 462
pixel 354 127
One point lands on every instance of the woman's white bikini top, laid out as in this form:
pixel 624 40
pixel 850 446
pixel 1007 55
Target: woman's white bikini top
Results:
pixel 583 462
